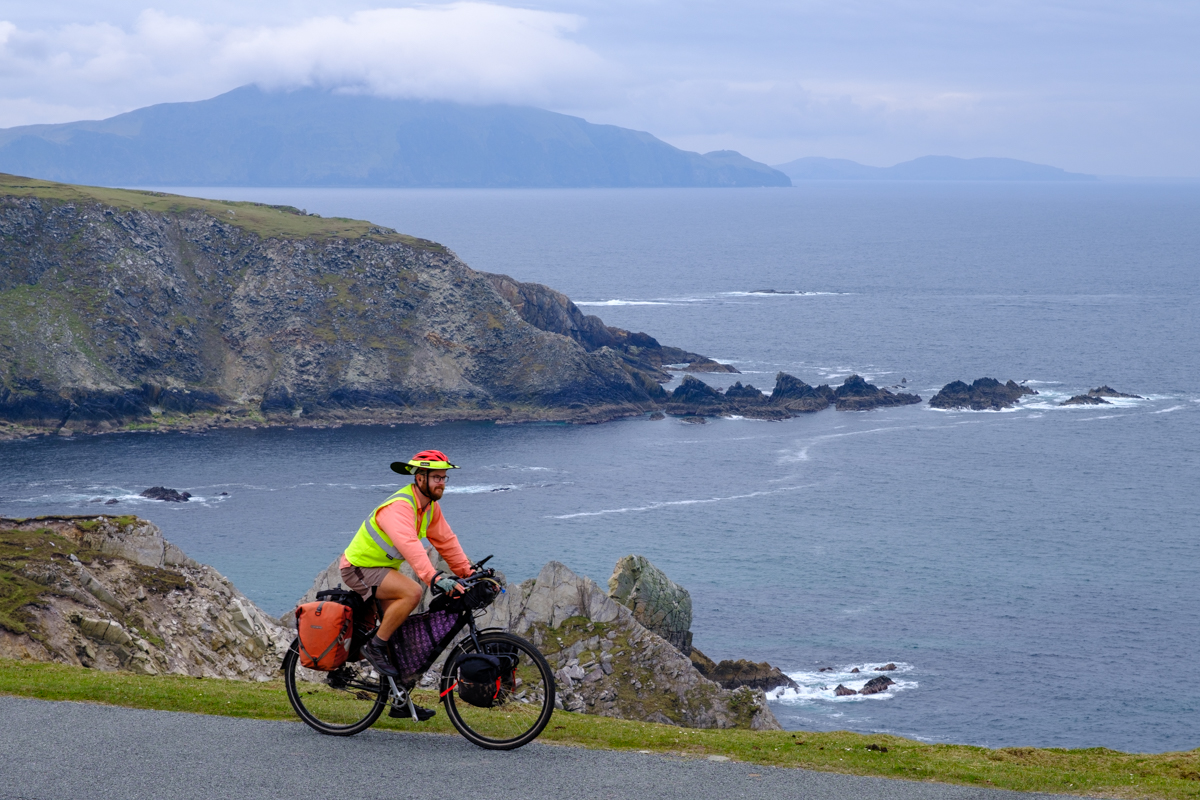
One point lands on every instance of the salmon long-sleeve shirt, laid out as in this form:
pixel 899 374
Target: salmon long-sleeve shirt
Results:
pixel 399 522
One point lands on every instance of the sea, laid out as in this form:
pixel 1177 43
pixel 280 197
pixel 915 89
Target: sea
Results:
pixel 1034 574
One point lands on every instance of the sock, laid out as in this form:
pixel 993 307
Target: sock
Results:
pixel 378 642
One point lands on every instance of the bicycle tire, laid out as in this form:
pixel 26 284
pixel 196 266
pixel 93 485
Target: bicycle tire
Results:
pixel 340 703
pixel 521 713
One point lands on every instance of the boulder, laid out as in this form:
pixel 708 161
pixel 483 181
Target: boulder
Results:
pixel 855 394
pixel 165 494
pixel 842 691
pixel 657 602
pixel 985 394
pixel 888 667
pixel 855 670
pixel 877 685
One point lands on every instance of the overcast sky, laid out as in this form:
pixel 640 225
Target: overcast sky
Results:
pixel 1092 86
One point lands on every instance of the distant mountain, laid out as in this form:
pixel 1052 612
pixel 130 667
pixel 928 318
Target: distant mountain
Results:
pixel 928 168
pixel 309 137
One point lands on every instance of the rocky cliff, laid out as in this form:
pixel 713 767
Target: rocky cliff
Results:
pixel 122 308
pixel 110 593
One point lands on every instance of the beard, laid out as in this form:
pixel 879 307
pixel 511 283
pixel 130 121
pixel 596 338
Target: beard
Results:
pixel 433 491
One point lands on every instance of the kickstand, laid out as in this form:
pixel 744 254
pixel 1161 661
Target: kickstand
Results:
pixel 399 695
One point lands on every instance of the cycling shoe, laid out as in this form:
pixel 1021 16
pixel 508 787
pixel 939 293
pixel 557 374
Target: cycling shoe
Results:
pixel 378 656
pixel 423 714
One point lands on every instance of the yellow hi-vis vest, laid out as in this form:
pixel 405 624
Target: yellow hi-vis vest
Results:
pixel 371 547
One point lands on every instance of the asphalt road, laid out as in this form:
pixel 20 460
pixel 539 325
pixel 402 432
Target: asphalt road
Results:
pixel 51 751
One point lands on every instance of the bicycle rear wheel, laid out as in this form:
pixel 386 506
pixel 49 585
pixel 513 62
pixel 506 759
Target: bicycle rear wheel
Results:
pixel 523 705
pixel 339 703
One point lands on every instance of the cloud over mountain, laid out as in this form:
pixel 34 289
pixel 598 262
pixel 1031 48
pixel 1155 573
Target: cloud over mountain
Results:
pixel 466 52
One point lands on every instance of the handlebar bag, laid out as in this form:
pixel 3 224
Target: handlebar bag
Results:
pixel 324 631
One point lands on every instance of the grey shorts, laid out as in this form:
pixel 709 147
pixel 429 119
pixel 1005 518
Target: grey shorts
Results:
pixel 364 580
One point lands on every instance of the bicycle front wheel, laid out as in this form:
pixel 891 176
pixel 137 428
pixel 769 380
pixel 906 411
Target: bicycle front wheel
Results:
pixel 339 703
pixel 524 700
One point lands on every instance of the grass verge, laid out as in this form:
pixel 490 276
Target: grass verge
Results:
pixel 1094 771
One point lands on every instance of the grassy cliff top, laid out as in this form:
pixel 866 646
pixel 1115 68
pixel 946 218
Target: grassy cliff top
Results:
pixel 267 221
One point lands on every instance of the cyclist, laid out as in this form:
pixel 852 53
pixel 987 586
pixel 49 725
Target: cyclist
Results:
pixel 392 535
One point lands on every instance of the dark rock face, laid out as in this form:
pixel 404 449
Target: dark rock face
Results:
pixel 985 394
pixel 877 685
pixel 855 394
pixel 842 691
pixel 165 494
pixel 888 667
pixel 761 675
pixel 1085 400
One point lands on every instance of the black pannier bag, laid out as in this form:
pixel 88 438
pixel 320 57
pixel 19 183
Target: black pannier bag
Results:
pixel 482 678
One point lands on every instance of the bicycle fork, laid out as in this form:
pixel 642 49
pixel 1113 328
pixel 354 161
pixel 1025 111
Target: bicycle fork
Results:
pixel 400 698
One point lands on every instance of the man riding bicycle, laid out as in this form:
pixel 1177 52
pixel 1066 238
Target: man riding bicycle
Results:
pixel 392 535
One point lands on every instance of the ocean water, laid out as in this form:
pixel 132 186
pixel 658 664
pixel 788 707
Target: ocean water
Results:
pixel 1034 573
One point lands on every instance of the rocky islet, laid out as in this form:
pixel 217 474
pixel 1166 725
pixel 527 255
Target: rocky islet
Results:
pixel 984 394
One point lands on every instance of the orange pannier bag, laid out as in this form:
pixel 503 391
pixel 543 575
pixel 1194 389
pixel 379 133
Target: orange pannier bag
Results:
pixel 325 629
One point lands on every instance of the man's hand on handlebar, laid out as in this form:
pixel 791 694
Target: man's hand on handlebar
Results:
pixel 446 584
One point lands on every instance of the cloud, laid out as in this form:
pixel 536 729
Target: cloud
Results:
pixel 468 51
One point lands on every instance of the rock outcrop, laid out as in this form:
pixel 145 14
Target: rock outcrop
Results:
pixel 607 663
pixel 790 397
pixel 122 308
pixel 985 394
pixel 112 594
pixel 167 495
pixel 657 602
pixel 876 685
pixel 855 394
pixel 794 395
pixel 1108 391
pixel 1095 397
pixel 1085 400
pixel 732 674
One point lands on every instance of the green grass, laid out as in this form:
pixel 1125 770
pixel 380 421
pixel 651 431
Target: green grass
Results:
pixel 1095 771
pixel 267 221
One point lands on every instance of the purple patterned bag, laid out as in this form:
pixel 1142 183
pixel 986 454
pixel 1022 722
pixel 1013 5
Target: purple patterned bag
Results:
pixel 417 643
